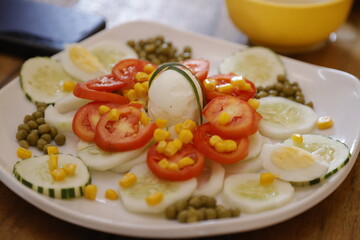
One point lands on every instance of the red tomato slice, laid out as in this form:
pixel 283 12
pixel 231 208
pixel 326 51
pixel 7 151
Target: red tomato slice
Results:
pixel 126 69
pixel 124 134
pixel 243 121
pixel 201 141
pixel 183 174
pixel 223 79
pixel 82 90
pixel 105 83
pixel 86 119
pixel 199 67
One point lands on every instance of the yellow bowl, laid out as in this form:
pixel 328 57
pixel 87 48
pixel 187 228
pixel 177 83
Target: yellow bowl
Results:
pixel 288 26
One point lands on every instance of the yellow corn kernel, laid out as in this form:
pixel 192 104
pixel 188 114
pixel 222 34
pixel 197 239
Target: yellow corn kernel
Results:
pixel 90 191
pixel 140 90
pixel 185 161
pixel 215 139
pixel 154 198
pixel 170 149
pixel 297 138
pixel 111 194
pixel 138 102
pixel 178 127
pixel 324 122
pixel 144 119
pixel 141 77
pixel 161 123
pixel 160 148
pixel 230 145
pixel 23 153
pixel 163 163
pixel 238 81
pixel 185 135
pixel 246 87
pixel 224 118
pixel 103 109
pixel 266 178
pixel 128 180
pixel 58 174
pixel 52 150
pixel 149 68
pixel 173 166
pixel 225 88
pixel 177 143
pixel 131 95
pixel 114 114
pixel 53 162
pixel 145 85
pixel 210 84
pixel 220 147
pixel 69 168
pixel 68 85
pixel 254 103
pixel 161 134
pixel 189 124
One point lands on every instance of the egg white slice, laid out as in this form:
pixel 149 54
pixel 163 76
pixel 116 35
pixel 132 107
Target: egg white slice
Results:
pixel 291 163
pixel 210 181
pixel 245 192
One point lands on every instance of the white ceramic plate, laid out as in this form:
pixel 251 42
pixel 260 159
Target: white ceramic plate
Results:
pixel 333 92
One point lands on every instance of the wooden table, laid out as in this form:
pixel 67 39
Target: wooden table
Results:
pixel 336 217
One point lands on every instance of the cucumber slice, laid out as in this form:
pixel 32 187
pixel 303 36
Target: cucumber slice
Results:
pixel 283 117
pixel 211 181
pixel 245 192
pixel 333 151
pixel 260 65
pixel 41 79
pixel 34 173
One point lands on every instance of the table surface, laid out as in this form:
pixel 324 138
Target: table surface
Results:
pixel 336 217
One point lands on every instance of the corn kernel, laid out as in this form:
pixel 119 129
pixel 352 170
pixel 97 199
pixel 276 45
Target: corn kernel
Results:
pixel 52 150
pixel 140 90
pixel 161 123
pixel 246 87
pixel 149 68
pixel 173 166
pixel 90 191
pixel 114 114
pixel 324 122
pixel 185 161
pixel 138 102
pixel 160 148
pixel 225 88
pixel 297 138
pixel 111 194
pixel 214 139
pixel 145 85
pixel 238 81
pixel 128 180
pixel 68 85
pixel 254 103
pixel 141 77
pixel 210 84
pixel 163 163
pixel 23 153
pixel 170 149
pixel 69 168
pixel 58 174
pixel 177 143
pixel 53 162
pixel 161 134
pixel 230 145
pixel 103 109
pixel 224 118
pixel 189 124
pixel 266 178
pixel 131 95
pixel 144 119
pixel 178 127
pixel 154 198
pixel 185 135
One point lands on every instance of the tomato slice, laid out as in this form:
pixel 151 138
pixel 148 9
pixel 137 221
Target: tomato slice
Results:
pixel 124 134
pixel 199 67
pixel 243 121
pixel 92 90
pixel 86 119
pixel 223 79
pixel 105 83
pixel 126 69
pixel 183 174
pixel 201 141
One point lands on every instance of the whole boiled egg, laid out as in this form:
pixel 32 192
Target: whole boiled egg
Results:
pixel 80 63
pixel 291 163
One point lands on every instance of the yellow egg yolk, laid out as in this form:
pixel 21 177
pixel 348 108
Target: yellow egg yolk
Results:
pixel 83 59
pixel 290 158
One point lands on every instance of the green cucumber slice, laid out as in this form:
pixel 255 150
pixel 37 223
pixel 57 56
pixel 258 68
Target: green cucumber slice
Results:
pixel 34 173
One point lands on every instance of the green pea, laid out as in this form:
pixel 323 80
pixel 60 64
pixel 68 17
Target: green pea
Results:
pixel 28 118
pixel 195 202
pixel 224 213
pixel 24 144
pixel 235 212
pixel 46 137
pixel 181 205
pixel 182 216
pixel 21 135
pixel 32 138
pixel 24 126
pixel 53 132
pixel 60 139
pixel 37 115
pixel 40 121
pixel 44 128
pixel 32 124
pixel 170 212
pixel 210 213
pixel 41 143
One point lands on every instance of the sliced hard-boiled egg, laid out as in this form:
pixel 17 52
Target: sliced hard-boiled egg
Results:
pixel 245 192
pixel 292 163
pixel 109 52
pixel 80 63
pixel 210 181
